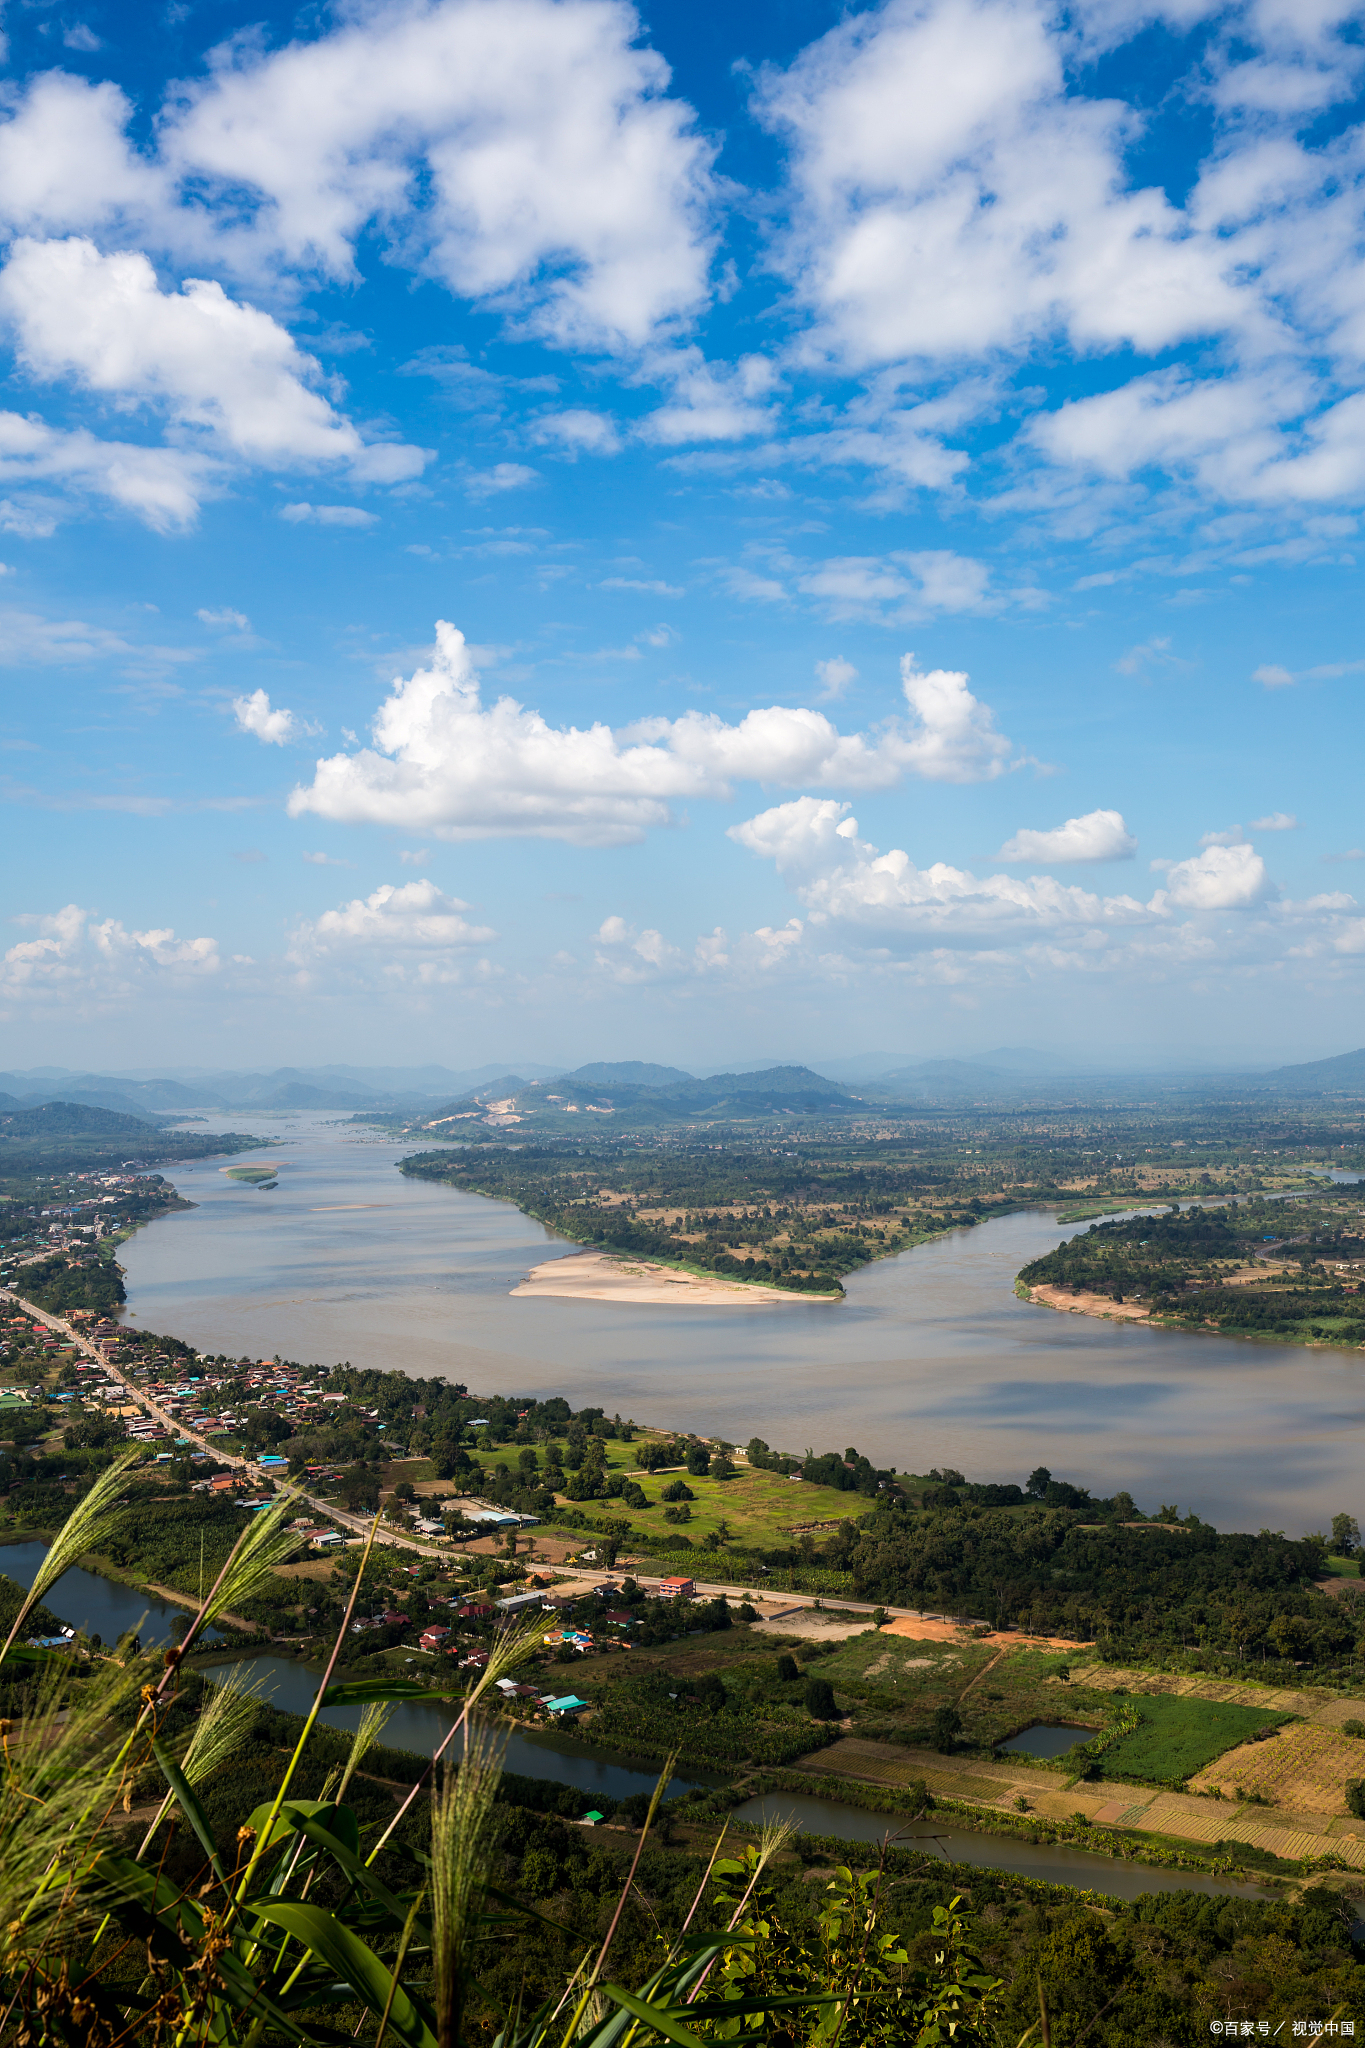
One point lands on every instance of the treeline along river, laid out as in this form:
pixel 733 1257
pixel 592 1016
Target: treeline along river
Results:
pixel 931 1359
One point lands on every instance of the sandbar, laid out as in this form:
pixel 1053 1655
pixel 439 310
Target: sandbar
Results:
pixel 596 1276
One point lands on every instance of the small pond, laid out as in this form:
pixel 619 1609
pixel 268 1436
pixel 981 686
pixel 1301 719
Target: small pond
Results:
pixel 291 1686
pixel 1046 1738
pixel 1054 1863
pixel 102 1607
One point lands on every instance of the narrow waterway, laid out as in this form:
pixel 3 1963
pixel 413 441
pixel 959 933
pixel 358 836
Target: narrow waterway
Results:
pixel 101 1607
pixel 1055 1864
pixel 930 1361
pixel 292 1687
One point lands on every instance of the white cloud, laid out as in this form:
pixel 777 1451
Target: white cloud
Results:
pixel 327 515
pixel 503 476
pixel 834 677
pixel 902 586
pixel 214 364
pixel 577 432
pixel 415 927
pixel 1277 821
pixel 656 588
pixel 1220 878
pixel 523 153
pixel 839 878
pixel 444 762
pixel 845 883
pixel 951 199
pixel 325 860
pixel 227 620
pixel 1099 835
pixel 163 486
pixel 955 739
pixel 254 715
pixel 1276 678
pixel 78 953
pixel 710 401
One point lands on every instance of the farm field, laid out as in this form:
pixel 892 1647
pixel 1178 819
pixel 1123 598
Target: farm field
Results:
pixel 757 1508
pixel 1181 1736
pixel 1302 1767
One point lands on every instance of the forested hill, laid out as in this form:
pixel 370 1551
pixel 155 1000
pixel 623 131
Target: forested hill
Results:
pixel 68 1135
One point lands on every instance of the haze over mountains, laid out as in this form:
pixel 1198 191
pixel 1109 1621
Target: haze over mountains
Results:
pixel 871 1078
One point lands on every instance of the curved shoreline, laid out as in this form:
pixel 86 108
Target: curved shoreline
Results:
pixel 1102 1309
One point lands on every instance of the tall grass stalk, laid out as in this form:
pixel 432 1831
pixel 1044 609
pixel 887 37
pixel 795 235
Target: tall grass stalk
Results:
pixel 82 1530
pixel 224 1718
pixel 374 1719
pixel 509 1650
pixel 259 1846
pixel 461 1845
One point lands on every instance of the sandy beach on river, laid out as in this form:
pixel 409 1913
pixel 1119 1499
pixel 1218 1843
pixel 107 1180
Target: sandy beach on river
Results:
pixel 1086 1304
pixel 595 1276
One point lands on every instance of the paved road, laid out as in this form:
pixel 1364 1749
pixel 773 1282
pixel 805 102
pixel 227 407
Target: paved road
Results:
pixel 143 1400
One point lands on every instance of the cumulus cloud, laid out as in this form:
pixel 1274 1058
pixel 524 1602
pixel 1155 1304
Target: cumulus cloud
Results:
pixel 162 486
pixel 1277 821
pixel 214 365
pixel 77 952
pixel 227 620
pixel 443 761
pixel 254 715
pixel 950 198
pixel 1220 878
pixel 523 153
pixel 1099 835
pixel 843 880
pixel 414 917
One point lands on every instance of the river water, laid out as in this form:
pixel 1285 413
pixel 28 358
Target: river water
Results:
pixel 101 1607
pixel 931 1360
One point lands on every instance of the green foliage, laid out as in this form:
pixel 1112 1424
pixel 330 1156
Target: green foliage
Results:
pixel 1166 1740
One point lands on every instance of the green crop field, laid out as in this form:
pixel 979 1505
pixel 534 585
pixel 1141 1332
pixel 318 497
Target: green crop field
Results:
pixel 1179 1737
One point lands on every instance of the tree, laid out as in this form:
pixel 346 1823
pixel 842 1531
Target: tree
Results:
pixel 678 1490
pixel 1345 1536
pixel 820 1700
pixel 1038 1482
pixel 698 1461
pixel 947 1723
pixel 1355 1797
pixel 787 1668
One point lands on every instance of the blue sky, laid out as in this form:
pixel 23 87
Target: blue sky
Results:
pixel 536 530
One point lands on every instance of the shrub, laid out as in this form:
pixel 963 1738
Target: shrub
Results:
pixel 787 1668
pixel 820 1700
pixel 678 1490
pixel 1355 1798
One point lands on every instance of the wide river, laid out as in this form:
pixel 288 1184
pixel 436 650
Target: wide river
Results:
pixel 931 1360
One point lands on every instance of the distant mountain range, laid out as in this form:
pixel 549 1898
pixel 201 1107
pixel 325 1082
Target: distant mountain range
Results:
pixel 1345 1073
pixel 428 1092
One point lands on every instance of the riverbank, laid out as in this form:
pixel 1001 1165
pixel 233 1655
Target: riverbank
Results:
pixel 604 1276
